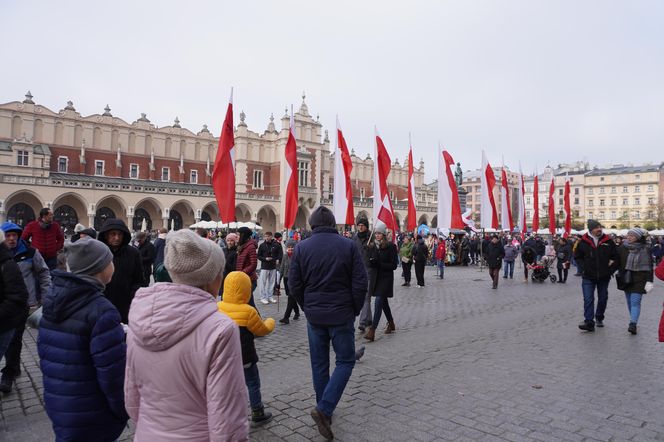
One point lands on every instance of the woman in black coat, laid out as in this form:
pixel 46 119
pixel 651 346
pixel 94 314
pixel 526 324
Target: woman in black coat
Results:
pixel 383 257
pixel 13 296
pixel 420 257
pixel 563 255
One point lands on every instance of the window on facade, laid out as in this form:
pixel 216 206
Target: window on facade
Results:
pixel 576 191
pixel 193 177
pixel 478 188
pixel 613 201
pixel 62 164
pixel 601 190
pixel 469 198
pixel 637 215
pixel 651 214
pixel 576 213
pixel 590 215
pixel 133 171
pixel 637 177
pixel 601 215
pixel 637 201
pixel 571 179
pixel 637 189
pixel 613 189
pixel 651 200
pixel 613 214
pixel 625 214
pixel 99 167
pixel 591 191
pixel 258 179
pixel 22 157
pixel 560 201
pixel 625 201
pixel 591 203
pixel 560 192
pixel 303 173
pixel 165 174
pixel 601 202
pixel 576 201
pixel 601 178
pixel 391 195
pixel 650 188
pixel 527 200
pixel 527 213
pixel 362 192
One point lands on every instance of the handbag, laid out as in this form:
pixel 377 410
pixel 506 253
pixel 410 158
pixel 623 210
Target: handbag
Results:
pixel 623 279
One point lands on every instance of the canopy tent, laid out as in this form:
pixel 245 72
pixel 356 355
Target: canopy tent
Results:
pixel 657 232
pixel 220 225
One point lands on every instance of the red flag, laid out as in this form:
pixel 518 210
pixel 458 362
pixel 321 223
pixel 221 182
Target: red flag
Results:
pixel 412 211
pixel 290 212
pixel 382 203
pixel 522 203
pixel 568 210
pixel 505 212
pixel 536 204
pixel 343 191
pixel 488 215
pixel 223 175
pixel 449 208
pixel 552 208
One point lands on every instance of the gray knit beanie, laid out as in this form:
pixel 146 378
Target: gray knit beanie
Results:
pixel 638 232
pixel 192 260
pixel 87 256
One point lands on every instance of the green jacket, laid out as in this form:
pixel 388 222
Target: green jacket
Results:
pixel 406 252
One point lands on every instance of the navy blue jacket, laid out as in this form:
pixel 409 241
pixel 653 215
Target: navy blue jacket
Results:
pixel 82 351
pixel 328 278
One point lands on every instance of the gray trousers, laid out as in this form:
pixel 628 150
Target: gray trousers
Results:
pixel 365 313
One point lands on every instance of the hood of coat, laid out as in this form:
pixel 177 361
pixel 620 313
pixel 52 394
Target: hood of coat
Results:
pixel 69 293
pixel 115 224
pixel 237 288
pixel 164 314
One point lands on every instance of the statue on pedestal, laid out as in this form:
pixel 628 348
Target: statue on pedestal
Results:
pixel 458 175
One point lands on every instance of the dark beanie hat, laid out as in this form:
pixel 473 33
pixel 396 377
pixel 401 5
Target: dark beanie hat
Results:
pixel 593 224
pixel 244 232
pixel 322 217
pixel 87 256
pixel 362 220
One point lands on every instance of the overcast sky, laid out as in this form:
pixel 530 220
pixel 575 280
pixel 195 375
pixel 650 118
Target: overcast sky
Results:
pixel 541 82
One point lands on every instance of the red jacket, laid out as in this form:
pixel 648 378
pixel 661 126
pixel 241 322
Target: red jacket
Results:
pixel 659 271
pixel 246 259
pixel 48 241
pixel 441 251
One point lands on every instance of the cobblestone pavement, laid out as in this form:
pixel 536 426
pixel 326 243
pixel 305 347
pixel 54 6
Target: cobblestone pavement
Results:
pixel 466 363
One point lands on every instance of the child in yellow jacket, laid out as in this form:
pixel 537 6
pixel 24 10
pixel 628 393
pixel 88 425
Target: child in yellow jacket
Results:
pixel 237 292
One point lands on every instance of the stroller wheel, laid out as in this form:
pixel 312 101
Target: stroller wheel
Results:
pixel 553 278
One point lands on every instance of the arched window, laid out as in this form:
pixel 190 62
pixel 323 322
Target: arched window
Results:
pixel 59 133
pixel 141 214
pixel 66 216
pixel 96 137
pixel 78 135
pixel 205 216
pixel 20 214
pixel 17 127
pixel 38 132
pixel 174 220
pixel 102 214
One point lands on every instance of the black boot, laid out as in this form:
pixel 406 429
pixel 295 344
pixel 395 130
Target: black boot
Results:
pixel 632 328
pixel 587 326
pixel 260 416
pixel 284 321
pixel 6 383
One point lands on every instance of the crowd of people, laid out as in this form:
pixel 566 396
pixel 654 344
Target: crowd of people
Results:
pixel 160 328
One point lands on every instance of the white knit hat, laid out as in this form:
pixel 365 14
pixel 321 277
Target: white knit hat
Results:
pixel 192 260
pixel 79 228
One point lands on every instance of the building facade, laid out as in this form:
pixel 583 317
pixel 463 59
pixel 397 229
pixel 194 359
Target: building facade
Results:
pixel 90 168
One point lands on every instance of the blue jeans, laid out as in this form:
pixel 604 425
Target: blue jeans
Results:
pixel 509 269
pixel 329 389
pixel 253 382
pixel 633 306
pixel 381 304
pixel 441 268
pixel 5 339
pixel 588 286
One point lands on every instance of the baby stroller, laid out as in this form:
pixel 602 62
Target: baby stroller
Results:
pixel 541 271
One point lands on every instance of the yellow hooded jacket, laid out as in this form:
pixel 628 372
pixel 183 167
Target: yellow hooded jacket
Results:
pixel 237 291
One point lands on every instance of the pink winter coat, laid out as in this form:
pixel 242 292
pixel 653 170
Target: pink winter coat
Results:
pixel 184 379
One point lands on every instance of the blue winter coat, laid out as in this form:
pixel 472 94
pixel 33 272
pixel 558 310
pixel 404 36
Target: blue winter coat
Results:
pixel 328 278
pixel 82 351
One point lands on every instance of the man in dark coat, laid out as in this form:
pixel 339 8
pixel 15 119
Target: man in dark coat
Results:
pixel 361 238
pixel 13 296
pixel 540 247
pixel 331 288
pixel 148 254
pixel 599 257
pixel 128 276
pixel 159 245
pixel 420 258
pixel 493 255
pixel 269 254
pixel 82 350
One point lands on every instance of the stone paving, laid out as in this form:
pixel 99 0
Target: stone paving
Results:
pixel 466 363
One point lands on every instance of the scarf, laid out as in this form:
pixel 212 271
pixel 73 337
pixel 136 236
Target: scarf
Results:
pixel 639 258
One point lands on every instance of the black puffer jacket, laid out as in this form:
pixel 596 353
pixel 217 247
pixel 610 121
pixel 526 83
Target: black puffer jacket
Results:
pixel 13 293
pixel 128 275
pixel 598 261
pixel 494 255
pixel 384 260
pixel 272 250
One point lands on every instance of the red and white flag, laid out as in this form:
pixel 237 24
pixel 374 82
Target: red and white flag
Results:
pixel 382 205
pixel 412 211
pixel 552 207
pixel 223 175
pixel 290 211
pixel 536 204
pixel 343 191
pixel 568 209
pixel 488 213
pixel 505 210
pixel 449 208
pixel 523 225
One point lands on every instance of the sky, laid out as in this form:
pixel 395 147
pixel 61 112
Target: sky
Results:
pixel 530 82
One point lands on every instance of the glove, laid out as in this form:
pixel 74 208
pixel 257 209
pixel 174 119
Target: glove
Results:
pixel 649 286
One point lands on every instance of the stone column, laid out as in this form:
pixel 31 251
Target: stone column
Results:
pixel 91 220
pixel 165 221
pixel 130 223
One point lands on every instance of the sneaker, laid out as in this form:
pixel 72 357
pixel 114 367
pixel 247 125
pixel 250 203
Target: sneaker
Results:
pixel 405 284
pixel 6 384
pixel 284 321
pixel 359 353
pixel 323 423
pixel 599 323
pixel 259 416
pixel 587 326
pixel 273 300
pixel 264 301
pixel 632 328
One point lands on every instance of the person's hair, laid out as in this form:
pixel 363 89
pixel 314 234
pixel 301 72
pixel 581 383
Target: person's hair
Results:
pixel 268 233
pixel 141 235
pixel 163 230
pixel 43 212
pixel 201 232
